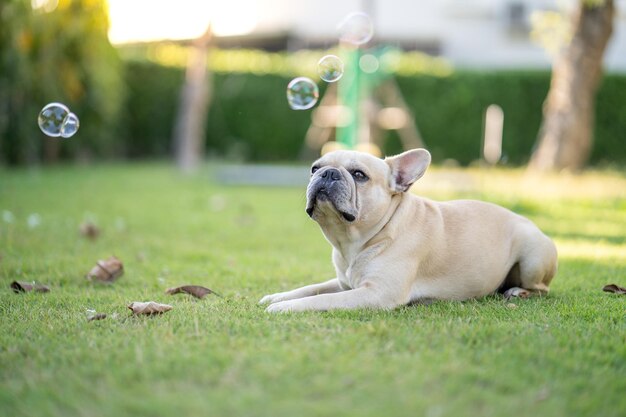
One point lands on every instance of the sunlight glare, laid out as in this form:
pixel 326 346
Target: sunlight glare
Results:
pixel 151 20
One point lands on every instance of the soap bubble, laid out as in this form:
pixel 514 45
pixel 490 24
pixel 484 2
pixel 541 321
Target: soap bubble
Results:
pixel 302 93
pixel 7 216
pixel 33 220
pixel 55 120
pixel 51 119
pixel 369 63
pixel 357 28
pixel 70 125
pixel 330 68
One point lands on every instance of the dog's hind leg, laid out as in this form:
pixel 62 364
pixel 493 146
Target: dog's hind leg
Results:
pixel 536 267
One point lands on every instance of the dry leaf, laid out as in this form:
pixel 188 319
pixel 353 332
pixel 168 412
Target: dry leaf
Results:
pixel 195 290
pixel 616 289
pixel 511 305
pixel 89 230
pixel 106 271
pixel 97 316
pixel 23 286
pixel 149 307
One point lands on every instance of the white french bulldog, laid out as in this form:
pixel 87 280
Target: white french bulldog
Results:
pixel 392 248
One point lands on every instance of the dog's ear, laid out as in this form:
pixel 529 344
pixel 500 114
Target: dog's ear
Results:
pixel 407 168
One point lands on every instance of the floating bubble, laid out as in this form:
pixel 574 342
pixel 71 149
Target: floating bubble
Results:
pixel 70 125
pixel 120 224
pixel 7 216
pixel 369 63
pixel 302 93
pixel 33 220
pixel 51 119
pixel 357 28
pixel 330 68
pixel 56 120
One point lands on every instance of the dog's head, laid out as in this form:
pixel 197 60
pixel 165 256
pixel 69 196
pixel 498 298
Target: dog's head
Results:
pixel 355 188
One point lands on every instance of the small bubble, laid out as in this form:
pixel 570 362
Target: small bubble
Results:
pixel 51 119
pixel 302 93
pixel 120 224
pixel 33 220
pixel 357 28
pixel 7 216
pixel 330 68
pixel 369 63
pixel 70 125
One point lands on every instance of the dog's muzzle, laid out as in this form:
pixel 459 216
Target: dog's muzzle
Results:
pixel 329 185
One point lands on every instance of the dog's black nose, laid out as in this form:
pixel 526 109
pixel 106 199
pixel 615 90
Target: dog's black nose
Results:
pixel 331 174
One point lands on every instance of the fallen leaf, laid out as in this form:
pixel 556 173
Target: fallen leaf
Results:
pixel 23 286
pixel 195 290
pixel 89 230
pixel 149 307
pixel 106 271
pixel 616 289
pixel 511 305
pixel 97 316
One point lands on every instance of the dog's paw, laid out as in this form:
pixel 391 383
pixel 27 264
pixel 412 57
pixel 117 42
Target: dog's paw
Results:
pixel 516 292
pixel 271 298
pixel 281 307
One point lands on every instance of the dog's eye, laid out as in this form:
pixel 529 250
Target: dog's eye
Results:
pixel 359 175
pixel 313 169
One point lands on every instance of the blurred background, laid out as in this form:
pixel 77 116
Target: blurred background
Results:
pixel 129 70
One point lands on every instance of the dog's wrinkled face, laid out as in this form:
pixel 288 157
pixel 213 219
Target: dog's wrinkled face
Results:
pixel 354 188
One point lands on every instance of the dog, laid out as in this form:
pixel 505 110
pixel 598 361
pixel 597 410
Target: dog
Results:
pixel 392 248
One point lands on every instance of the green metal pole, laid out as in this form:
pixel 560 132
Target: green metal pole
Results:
pixel 349 90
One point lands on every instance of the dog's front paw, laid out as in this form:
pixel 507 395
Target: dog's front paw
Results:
pixel 281 307
pixel 271 298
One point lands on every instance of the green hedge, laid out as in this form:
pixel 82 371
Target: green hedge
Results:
pixel 249 117
pixel 449 112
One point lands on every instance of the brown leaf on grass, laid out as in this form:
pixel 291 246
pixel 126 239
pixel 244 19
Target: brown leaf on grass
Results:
pixel 149 307
pixel 106 271
pixel 23 286
pixel 89 230
pixel 195 290
pixel 97 316
pixel 616 289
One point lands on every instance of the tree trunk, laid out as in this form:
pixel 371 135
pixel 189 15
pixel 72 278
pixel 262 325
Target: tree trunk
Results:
pixel 189 130
pixel 51 150
pixel 566 134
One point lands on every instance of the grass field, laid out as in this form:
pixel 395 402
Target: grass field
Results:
pixel 562 355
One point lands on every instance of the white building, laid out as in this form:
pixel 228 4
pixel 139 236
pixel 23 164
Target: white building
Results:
pixel 470 33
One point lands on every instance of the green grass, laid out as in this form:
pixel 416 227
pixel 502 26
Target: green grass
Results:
pixel 562 355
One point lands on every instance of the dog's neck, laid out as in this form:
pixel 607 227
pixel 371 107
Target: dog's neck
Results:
pixel 350 240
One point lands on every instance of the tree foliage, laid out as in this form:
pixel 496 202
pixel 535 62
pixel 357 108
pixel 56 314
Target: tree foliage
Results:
pixel 59 54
